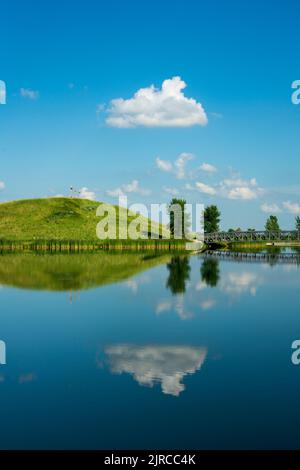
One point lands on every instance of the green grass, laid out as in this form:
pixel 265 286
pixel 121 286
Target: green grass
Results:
pixel 51 219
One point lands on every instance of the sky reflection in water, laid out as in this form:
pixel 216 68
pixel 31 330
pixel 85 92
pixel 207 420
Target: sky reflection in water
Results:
pixel 135 351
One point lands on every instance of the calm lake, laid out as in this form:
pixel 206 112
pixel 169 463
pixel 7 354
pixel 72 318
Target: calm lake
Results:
pixel 138 351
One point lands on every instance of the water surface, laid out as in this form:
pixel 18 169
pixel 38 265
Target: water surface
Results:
pixel 134 351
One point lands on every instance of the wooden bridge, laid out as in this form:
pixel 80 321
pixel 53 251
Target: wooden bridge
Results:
pixel 252 236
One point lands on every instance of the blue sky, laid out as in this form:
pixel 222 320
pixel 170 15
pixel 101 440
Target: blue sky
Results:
pixel 64 62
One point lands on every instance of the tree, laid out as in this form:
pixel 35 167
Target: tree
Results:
pixel 297 222
pixel 212 217
pixel 272 224
pixel 179 219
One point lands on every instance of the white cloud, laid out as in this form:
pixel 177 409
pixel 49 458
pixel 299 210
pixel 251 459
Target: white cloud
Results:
pixel 180 164
pixel 234 182
pixel 242 193
pixel 30 94
pixel 270 208
pixel 229 189
pixel 237 188
pixel 178 169
pixel 171 191
pixel 133 187
pixel 204 188
pixel 85 193
pixel 208 168
pixel 166 365
pixel 2 185
pixel 164 165
pixel 292 207
pixel 152 107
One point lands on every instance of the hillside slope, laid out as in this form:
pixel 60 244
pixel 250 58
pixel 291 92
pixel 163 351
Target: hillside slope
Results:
pixel 50 219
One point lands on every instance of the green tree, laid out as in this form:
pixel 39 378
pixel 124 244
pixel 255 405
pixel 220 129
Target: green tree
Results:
pixel 272 224
pixel 212 217
pixel 179 218
pixel 297 222
pixel 179 273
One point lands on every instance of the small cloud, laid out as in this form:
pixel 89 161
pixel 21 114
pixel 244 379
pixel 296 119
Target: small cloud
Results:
pixel 152 107
pixel 208 168
pixel 205 188
pixel 180 164
pixel 292 207
pixel 237 188
pixel 2 185
pixel 164 165
pixel 115 192
pixel 171 191
pixel 85 193
pixel 242 193
pixel 30 94
pixel 178 169
pixel 270 208
pixel 133 187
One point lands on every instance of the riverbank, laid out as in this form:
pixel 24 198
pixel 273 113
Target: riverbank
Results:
pixel 81 246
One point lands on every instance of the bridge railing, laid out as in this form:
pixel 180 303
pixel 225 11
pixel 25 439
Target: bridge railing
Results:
pixel 259 235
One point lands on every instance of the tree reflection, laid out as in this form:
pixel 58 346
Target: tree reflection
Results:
pixel 179 273
pixel 210 272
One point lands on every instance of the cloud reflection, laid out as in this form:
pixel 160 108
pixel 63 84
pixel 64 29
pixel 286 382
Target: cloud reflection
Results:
pixel 166 365
pixel 239 283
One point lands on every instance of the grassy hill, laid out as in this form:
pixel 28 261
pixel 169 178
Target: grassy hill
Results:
pixel 51 219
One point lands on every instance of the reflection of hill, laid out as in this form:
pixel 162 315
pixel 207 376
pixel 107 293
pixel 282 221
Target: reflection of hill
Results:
pixel 72 272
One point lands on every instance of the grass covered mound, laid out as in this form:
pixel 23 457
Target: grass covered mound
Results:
pixel 59 218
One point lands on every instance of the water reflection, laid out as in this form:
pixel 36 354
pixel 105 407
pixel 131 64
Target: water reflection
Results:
pixel 179 274
pixel 237 283
pixel 73 272
pixel 151 364
pixel 210 272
